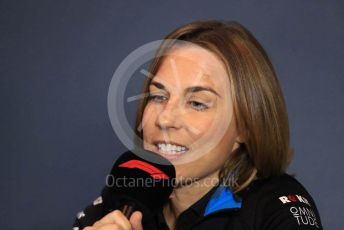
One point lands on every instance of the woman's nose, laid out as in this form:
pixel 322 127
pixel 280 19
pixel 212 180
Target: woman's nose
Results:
pixel 169 116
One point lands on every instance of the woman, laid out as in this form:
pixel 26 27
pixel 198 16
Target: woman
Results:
pixel 216 111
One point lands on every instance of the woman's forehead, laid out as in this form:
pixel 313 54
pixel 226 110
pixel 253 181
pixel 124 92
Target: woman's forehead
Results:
pixel 195 56
pixel 192 64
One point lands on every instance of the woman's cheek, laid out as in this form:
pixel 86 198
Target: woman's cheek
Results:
pixel 202 121
pixel 147 113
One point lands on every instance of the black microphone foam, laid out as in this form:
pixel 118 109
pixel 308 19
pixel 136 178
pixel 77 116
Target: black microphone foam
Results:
pixel 139 182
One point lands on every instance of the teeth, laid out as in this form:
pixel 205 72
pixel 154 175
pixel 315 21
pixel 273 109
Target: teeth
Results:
pixel 171 148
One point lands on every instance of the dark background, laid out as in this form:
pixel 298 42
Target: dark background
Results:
pixel 57 59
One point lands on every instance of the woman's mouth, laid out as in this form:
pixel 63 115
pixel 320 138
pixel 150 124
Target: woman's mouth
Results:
pixel 170 151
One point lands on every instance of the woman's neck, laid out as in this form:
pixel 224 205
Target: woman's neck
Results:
pixel 185 196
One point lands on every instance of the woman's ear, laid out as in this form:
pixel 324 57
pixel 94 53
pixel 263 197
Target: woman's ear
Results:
pixel 241 138
pixel 236 145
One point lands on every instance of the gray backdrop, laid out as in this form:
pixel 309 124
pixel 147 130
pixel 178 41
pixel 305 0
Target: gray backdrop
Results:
pixel 57 60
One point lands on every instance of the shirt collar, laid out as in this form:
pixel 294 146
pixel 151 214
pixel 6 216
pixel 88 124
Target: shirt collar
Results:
pixel 218 199
pixel 222 199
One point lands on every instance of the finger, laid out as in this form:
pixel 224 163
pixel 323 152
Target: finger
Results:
pixel 115 217
pixel 136 220
pixel 105 227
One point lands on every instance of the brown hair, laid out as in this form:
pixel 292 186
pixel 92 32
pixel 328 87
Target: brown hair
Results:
pixel 259 107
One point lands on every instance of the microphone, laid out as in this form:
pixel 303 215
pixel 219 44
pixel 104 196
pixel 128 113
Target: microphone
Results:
pixel 137 184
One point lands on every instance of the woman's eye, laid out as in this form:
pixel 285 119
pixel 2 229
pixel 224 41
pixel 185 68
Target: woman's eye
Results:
pixel 194 104
pixel 156 98
pixel 198 105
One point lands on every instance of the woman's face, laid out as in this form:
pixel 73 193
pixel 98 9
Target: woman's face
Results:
pixel 189 116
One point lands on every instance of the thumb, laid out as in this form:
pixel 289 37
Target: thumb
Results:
pixel 136 220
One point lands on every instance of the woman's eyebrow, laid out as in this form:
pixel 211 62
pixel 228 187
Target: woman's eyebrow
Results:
pixel 158 85
pixel 201 88
pixel 189 89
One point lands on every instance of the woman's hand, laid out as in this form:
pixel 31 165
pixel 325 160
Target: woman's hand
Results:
pixel 117 221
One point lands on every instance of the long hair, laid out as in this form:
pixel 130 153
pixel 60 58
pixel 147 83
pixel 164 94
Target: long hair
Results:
pixel 259 107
